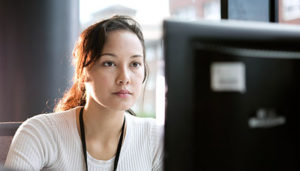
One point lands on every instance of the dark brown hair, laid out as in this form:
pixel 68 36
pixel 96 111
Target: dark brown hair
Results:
pixel 87 51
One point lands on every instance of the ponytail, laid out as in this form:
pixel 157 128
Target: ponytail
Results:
pixel 74 97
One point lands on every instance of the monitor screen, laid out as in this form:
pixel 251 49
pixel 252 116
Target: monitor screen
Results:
pixel 233 93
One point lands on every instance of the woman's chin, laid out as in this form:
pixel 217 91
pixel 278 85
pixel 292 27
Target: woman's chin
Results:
pixel 121 107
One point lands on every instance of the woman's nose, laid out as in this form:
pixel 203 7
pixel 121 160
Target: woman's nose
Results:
pixel 123 76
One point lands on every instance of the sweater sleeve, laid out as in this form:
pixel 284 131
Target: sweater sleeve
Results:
pixel 156 142
pixel 33 146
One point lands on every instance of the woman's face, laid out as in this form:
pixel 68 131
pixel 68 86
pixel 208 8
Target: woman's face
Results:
pixel 115 80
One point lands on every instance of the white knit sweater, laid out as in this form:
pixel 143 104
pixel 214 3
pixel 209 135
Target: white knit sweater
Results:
pixel 52 142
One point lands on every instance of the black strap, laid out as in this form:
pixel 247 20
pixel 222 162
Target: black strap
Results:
pixel 82 132
pixel 84 143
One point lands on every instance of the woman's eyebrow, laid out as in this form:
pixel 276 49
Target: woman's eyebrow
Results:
pixel 113 55
pixel 136 56
pixel 108 54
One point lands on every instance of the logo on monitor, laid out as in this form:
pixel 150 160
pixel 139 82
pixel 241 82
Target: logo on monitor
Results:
pixel 266 118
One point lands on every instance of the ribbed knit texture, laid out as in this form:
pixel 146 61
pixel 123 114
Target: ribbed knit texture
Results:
pixel 52 142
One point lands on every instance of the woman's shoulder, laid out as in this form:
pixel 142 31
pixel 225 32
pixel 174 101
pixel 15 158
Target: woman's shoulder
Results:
pixel 136 120
pixel 46 120
pixel 147 125
pixel 37 141
pixel 151 132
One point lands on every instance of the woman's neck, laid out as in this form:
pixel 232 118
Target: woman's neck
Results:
pixel 102 124
pixel 102 130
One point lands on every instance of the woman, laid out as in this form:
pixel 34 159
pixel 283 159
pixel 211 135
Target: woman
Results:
pixel 91 129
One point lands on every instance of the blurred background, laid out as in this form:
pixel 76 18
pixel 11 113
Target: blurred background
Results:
pixel 37 38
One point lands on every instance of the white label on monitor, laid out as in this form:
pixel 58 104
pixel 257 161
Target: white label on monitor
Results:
pixel 228 76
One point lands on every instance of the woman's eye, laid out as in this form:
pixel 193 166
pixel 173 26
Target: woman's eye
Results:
pixel 109 64
pixel 135 64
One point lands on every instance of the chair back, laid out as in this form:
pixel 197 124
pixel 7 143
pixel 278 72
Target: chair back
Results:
pixel 7 132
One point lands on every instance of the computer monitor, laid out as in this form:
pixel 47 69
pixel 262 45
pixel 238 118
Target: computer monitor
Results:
pixel 233 96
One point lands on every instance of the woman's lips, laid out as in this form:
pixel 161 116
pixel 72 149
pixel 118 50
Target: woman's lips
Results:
pixel 123 93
